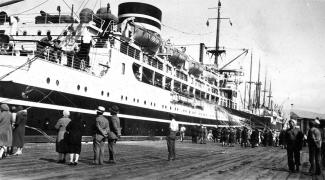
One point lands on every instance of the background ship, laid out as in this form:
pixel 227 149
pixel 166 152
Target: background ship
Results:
pixel 74 62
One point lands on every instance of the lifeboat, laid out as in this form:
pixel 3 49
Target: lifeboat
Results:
pixel 147 39
pixel 86 15
pixel 195 69
pixel 178 58
pixel 105 13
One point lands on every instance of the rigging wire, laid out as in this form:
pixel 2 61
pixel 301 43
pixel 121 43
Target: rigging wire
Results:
pixel 188 33
pixel 81 5
pixel 32 8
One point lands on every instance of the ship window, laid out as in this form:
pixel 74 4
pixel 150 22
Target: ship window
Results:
pixel 107 94
pixel 86 89
pixel 145 102
pixel 136 71
pixel 121 97
pixel 124 48
pixel 126 98
pixel 137 100
pixel 102 93
pixel 177 86
pixel 133 99
pixel 25 33
pixel 57 82
pixel 168 83
pixel 147 75
pixel 154 104
pixel 151 104
pixel 158 80
pixel 123 68
pixel 48 80
pixel 78 87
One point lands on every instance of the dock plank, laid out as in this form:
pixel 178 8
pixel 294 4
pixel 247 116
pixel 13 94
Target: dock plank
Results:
pixel 148 160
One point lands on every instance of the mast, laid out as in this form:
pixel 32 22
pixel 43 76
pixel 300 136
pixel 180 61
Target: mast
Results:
pixel 264 91
pixel 245 96
pixel 270 95
pixel 217 36
pixel 250 82
pixel 258 85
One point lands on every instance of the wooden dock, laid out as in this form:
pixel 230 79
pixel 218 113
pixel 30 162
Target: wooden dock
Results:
pixel 148 160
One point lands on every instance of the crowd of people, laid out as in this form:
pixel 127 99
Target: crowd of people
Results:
pixel 228 136
pixel 12 130
pixel 70 136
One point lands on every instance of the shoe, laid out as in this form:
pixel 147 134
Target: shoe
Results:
pixel 75 163
pixel 71 163
pixel 297 169
pixel 112 161
pixel 61 161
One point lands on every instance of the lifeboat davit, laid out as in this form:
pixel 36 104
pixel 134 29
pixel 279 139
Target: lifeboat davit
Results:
pixel 147 24
pixel 105 14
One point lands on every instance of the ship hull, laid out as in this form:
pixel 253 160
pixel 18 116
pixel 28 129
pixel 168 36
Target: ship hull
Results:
pixel 45 108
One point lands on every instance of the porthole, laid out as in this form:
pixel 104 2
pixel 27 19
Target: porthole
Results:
pixel 102 93
pixel 145 102
pixel 78 87
pixel 48 80
pixel 86 88
pixel 121 97
pixel 126 98
pixel 133 99
pixel 107 94
pixel 154 104
pixel 151 104
pixel 57 82
pixel 137 100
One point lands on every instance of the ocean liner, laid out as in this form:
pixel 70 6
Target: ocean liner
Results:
pixel 81 60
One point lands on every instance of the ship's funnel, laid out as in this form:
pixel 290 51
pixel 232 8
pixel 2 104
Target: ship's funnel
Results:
pixel 146 15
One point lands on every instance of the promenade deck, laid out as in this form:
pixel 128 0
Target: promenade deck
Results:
pixel 148 160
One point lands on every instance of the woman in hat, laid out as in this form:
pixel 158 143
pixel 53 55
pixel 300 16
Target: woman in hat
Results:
pixel 19 130
pixel 114 133
pixel 5 129
pixel 75 129
pixel 61 144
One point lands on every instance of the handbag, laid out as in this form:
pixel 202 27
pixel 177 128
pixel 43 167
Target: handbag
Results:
pixel 111 135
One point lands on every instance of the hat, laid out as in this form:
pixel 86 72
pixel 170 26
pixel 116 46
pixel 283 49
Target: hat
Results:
pixel 66 113
pixel 100 109
pixel 114 109
pixel 172 116
pixel 317 120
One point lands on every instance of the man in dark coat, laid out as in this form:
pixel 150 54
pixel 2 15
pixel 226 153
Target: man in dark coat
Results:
pixel 294 139
pixel 19 130
pixel 100 134
pixel 244 135
pixel 114 132
pixel 255 138
pixel 314 140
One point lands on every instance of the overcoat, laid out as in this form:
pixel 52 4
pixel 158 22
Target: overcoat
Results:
pixel 5 126
pixel 19 130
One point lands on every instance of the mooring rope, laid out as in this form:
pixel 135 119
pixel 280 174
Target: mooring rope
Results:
pixel 51 139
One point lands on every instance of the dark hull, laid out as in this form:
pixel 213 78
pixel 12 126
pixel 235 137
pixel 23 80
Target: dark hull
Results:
pixel 45 118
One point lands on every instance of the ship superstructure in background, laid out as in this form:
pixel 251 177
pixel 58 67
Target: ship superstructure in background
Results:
pixel 61 62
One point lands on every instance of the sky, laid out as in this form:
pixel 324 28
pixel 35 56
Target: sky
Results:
pixel 287 36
